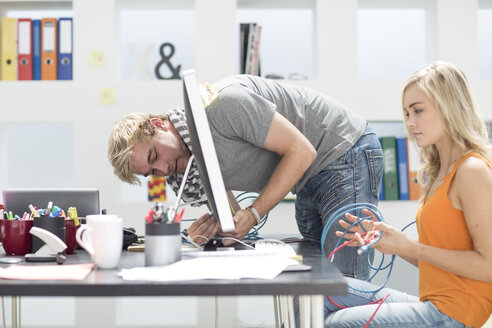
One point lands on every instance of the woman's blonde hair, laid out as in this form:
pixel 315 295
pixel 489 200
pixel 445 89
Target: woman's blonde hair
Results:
pixel 133 128
pixel 447 87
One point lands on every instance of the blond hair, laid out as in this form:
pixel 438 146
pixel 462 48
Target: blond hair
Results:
pixel 447 87
pixel 133 128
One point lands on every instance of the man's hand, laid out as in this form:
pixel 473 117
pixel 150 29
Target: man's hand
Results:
pixel 243 221
pixel 206 226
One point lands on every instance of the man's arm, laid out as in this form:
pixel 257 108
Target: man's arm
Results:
pixel 297 154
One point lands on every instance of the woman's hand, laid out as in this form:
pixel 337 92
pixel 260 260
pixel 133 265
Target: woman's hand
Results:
pixel 392 240
pixel 203 229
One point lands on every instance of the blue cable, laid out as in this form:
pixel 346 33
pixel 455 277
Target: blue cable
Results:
pixel 358 207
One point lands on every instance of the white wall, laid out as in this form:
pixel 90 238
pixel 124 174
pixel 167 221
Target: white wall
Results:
pixel 77 103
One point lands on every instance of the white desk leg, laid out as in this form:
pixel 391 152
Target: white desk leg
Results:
pixel 290 311
pixel 305 311
pixel 317 311
pixel 13 304
pixel 277 310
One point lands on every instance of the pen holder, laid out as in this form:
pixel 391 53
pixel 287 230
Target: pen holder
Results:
pixel 55 225
pixel 16 239
pixel 162 243
pixel 70 231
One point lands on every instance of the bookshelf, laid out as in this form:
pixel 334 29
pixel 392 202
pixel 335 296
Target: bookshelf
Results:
pixel 77 104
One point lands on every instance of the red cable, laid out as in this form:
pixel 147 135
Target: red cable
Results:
pixel 380 301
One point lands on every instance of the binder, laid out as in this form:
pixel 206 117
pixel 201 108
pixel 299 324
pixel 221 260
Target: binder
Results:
pixel 8 50
pixel 64 67
pixel 381 188
pixel 24 49
pixel 414 188
pixel 401 152
pixel 390 168
pixel 36 49
pixel 48 48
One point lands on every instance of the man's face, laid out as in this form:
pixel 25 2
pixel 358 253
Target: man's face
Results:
pixel 166 154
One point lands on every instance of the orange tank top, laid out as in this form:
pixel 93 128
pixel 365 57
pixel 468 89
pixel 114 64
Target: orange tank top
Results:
pixel 440 225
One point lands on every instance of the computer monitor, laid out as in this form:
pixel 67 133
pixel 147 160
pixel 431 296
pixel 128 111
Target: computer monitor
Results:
pixel 204 151
pixel 85 200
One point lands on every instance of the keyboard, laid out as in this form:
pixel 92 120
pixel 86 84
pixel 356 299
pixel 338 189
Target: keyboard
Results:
pixel 262 247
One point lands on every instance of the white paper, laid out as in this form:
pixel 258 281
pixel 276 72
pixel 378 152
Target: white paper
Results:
pixel 262 267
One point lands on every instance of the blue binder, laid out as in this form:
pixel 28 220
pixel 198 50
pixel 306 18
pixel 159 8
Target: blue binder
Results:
pixel 36 49
pixel 381 188
pixel 64 69
pixel 401 153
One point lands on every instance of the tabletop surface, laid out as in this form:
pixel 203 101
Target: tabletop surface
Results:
pixel 323 278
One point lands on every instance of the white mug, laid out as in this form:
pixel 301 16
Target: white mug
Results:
pixel 102 238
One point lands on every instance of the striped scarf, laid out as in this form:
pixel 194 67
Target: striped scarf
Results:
pixel 193 189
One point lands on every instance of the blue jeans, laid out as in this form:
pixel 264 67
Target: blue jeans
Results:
pixel 398 310
pixel 355 177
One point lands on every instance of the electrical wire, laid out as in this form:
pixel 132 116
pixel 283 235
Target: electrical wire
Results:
pixel 376 213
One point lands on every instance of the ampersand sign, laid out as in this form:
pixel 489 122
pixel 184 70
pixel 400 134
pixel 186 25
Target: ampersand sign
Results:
pixel 165 60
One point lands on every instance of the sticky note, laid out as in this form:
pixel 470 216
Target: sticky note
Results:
pixel 107 96
pixel 97 58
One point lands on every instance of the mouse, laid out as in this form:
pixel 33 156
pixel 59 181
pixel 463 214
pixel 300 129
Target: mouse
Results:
pixel 212 244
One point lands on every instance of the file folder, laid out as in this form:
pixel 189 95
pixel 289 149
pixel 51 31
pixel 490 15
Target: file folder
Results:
pixel 8 50
pixel 48 48
pixel 413 155
pixel 36 49
pixel 64 67
pixel 390 173
pixel 24 49
pixel 401 151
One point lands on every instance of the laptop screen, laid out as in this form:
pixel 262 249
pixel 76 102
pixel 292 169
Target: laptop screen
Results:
pixel 204 151
pixel 85 200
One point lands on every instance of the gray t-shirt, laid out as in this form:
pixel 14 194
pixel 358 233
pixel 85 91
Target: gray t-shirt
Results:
pixel 241 116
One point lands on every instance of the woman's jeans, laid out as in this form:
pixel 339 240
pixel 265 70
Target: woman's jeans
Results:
pixel 398 310
pixel 355 177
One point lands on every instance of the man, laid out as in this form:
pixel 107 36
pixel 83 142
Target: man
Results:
pixel 272 138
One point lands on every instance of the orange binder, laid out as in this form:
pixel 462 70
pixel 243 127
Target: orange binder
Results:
pixel 48 48
pixel 413 158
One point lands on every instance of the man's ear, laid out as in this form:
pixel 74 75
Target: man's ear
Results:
pixel 157 122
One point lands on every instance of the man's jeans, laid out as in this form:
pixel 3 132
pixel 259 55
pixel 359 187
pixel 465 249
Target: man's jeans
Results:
pixel 355 177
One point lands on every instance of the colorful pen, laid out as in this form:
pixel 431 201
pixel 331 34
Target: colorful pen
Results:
pixel 33 211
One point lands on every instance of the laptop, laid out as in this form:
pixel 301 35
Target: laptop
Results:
pixel 85 200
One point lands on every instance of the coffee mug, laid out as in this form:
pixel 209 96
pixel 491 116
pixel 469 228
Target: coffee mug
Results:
pixel 102 238
pixel 16 238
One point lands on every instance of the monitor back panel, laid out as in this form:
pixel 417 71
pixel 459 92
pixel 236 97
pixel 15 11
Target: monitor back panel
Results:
pixel 85 200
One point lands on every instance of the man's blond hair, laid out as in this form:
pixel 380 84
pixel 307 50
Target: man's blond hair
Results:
pixel 132 129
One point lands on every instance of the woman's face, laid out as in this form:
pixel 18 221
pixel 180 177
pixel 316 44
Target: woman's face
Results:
pixel 423 118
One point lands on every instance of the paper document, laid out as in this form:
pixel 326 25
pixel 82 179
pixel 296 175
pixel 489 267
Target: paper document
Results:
pixel 262 267
pixel 47 272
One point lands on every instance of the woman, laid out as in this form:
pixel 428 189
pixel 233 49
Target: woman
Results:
pixel 454 250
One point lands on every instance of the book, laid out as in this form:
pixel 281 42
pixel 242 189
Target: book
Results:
pixel 401 152
pixel 390 168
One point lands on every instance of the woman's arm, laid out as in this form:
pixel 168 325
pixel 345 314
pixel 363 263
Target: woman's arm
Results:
pixel 471 192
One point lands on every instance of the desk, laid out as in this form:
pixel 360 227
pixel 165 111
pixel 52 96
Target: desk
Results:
pixel 323 279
